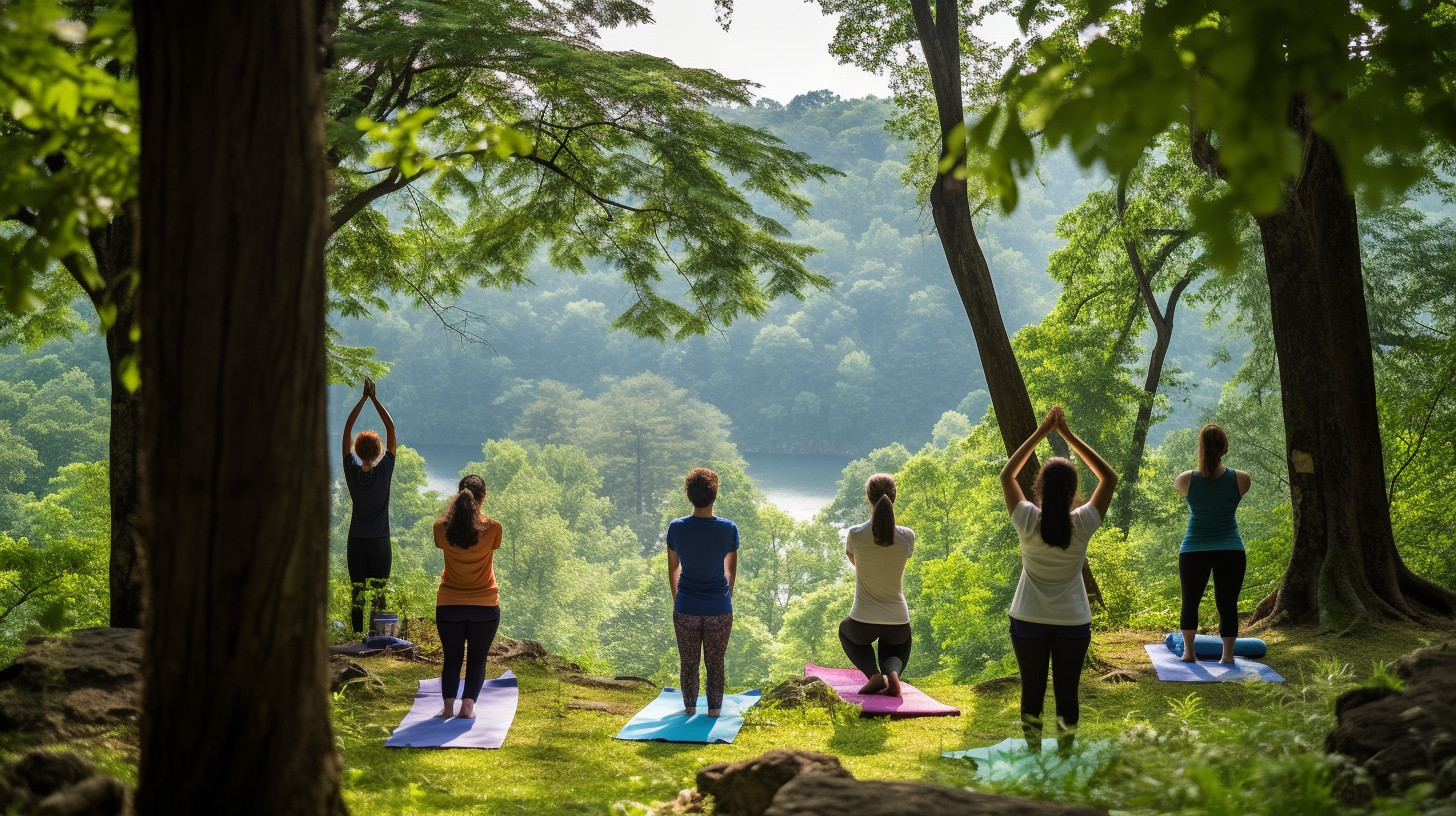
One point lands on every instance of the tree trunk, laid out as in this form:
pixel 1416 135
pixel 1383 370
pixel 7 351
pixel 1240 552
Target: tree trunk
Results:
pixel 939 35
pixel 1344 568
pixel 233 455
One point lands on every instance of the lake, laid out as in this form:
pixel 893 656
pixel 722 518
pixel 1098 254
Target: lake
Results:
pixel 800 484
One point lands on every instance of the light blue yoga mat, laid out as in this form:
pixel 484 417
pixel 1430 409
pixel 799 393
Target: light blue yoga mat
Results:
pixel 1008 760
pixel 495 710
pixel 1170 668
pixel 663 719
pixel 1212 647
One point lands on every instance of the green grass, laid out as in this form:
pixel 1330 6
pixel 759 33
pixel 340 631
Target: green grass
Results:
pixel 1204 748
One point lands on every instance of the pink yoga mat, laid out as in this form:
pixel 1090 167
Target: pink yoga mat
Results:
pixel 912 702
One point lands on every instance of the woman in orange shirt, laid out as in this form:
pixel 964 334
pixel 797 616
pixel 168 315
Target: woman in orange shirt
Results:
pixel 467 606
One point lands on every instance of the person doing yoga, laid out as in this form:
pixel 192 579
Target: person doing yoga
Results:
pixel 878 549
pixel 1212 544
pixel 467 605
pixel 1051 620
pixel 368 475
pixel 702 564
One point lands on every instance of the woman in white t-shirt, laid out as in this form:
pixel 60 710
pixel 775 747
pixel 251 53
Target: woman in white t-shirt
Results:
pixel 878 549
pixel 1051 620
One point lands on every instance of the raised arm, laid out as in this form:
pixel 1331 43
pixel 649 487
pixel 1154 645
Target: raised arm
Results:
pixel 389 438
pixel 1106 478
pixel 349 425
pixel 1009 486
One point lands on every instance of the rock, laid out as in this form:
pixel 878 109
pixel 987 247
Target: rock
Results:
pixel 342 671
pixel 817 794
pixel 747 788
pixel 73 685
pixel 613 683
pixel 797 692
pixel 1406 737
pixel 1119 676
pixel 50 783
pixel 505 648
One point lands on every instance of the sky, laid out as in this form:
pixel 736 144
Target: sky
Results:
pixel 782 45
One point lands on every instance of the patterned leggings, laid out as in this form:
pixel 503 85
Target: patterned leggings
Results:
pixel 707 634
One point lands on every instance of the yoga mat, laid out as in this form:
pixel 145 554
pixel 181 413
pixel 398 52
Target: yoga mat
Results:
pixel 1008 760
pixel 494 711
pixel 663 719
pixel 912 702
pixel 1207 671
pixel 1212 647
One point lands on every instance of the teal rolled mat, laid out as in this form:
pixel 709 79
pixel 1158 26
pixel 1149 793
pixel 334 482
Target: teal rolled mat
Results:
pixel 1208 646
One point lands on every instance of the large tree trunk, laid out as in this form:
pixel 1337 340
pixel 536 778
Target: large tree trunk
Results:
pixel 939 34
pixel 234 470
pixel 1344 568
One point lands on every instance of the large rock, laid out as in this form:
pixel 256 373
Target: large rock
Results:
pixel 48 783
pixel 71 685
pixel 747 788
pixel 828 795
pixel 1406 737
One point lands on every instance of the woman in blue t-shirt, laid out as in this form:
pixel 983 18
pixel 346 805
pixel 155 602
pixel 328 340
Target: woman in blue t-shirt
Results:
pixel 702 563
pixel 1212 544
pixel 369 553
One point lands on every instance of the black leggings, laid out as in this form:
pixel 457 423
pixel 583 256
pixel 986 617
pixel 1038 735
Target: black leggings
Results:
pixel 465 642
pixel 369 561
pixel 1227 568
pixel 1065 647
pixel 894 638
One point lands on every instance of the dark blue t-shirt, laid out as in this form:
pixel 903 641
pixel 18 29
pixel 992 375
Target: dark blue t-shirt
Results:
pixel 701 545
pixel 370 492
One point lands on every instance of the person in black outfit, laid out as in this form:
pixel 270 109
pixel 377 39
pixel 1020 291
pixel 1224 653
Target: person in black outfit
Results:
pixel 368 476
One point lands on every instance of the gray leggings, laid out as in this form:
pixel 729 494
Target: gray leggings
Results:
pixel 856 637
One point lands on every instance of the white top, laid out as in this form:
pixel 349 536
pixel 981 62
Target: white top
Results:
pixel 879 595
pixel 1050 590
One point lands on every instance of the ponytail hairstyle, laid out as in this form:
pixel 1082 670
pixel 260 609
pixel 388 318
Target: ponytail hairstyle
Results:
pixel 462 516
pixel 1212 445
pixel 1055 491
pixel 880 490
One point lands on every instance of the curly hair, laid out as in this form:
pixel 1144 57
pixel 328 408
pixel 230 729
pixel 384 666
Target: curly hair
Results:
pixel 880 490
pixel 366 446
pixel 463 524
pixel 702 487
pixel 1055 491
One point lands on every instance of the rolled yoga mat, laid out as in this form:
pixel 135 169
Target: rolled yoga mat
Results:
pixel 1170 668
pixel 1211 648
pixel 495 710
pixel 912 702
pixel 663 719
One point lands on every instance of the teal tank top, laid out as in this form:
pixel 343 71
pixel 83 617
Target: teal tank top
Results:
pixel 1211 506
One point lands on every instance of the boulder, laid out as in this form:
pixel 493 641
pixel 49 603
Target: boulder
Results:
pixel 71 685
pixel 505 648
pixel 50 783
pixel 1408 736
pixel 343 671
pixel 797 692
pixel 829 795
pixel 746 788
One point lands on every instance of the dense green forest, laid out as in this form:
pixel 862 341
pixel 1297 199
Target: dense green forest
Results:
pixel 570 415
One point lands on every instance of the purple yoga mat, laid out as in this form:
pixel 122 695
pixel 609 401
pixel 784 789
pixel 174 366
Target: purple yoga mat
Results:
pixel 495 709
pixel 912 702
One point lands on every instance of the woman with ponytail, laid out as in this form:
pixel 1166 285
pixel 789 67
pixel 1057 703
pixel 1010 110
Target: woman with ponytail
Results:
pixel 878 549
pixel 467 605
pixel 1051 620
pixel 1212 545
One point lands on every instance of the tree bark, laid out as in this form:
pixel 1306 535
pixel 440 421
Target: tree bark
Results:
pixel 1344 568
pixel 233 455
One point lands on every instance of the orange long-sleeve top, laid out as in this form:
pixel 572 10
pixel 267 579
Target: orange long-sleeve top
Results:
pixel 469 576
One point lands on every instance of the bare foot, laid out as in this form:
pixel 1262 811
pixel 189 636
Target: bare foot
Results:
pixel 448 711
pixel 875 685
pixel 467 709
pixel 892 684
pixel 1228 661
pixel 714 712
pixel 690 712
pixel 1189 657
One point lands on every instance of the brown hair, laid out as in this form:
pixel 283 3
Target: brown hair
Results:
pixel 880 490
pixel 1212 445
pixel 1055 491
pixel 702 487
pixel 366 446
pixel 463 524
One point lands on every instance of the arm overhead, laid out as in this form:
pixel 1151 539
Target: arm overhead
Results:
pixel 1019 458
pixel 353 415
pixel 1106 478
pixel 389 441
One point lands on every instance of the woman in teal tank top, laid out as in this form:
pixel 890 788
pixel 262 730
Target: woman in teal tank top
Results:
pixel 1212 545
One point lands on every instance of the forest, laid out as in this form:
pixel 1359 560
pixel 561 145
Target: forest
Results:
pixel 906 283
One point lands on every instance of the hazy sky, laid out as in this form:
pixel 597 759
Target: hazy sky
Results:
pixel 782 45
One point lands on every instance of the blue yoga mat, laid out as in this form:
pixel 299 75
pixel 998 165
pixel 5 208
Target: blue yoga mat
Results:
pixel 1170 668
pixel 663 719
pixel 495 710
pixel 1212 647
pixel 1008 760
